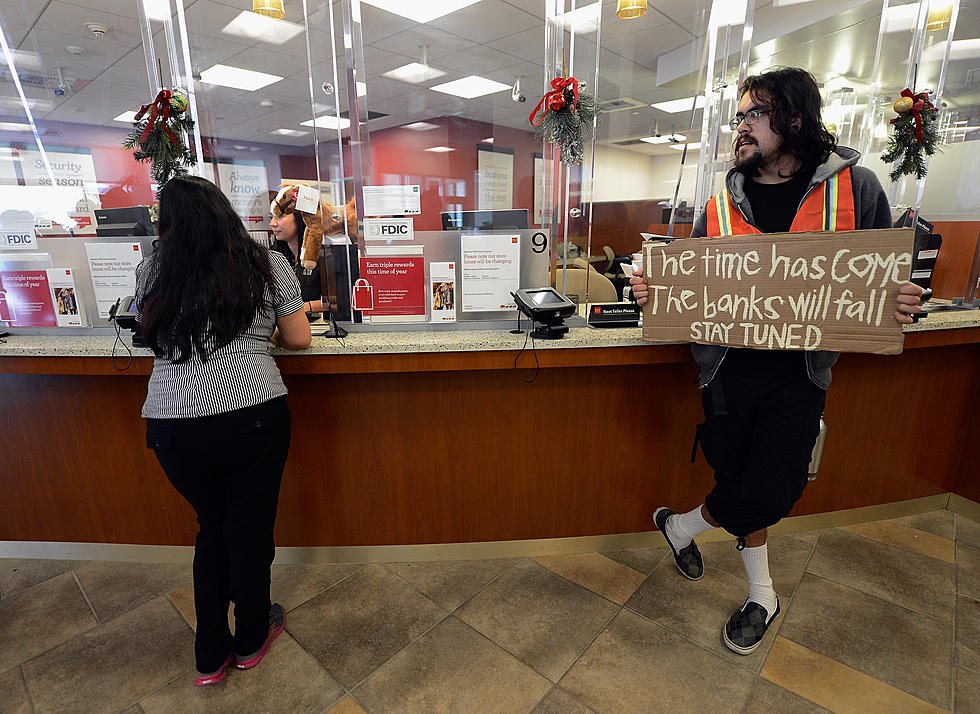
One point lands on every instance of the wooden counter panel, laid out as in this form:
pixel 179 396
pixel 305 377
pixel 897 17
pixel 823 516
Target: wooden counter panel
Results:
pixel 967 479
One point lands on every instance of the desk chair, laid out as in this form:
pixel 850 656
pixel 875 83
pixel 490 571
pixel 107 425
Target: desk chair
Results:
pixel 601 288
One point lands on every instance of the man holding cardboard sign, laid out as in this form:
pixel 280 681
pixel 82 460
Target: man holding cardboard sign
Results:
pixel 758 310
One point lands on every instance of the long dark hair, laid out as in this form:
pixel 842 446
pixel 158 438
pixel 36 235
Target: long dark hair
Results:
pixel 792 94
pixel 210 276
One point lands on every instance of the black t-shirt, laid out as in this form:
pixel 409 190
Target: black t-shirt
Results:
pixel 774 207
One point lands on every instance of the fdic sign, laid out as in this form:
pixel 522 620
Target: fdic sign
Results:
pixel 389 229
pixel 795 291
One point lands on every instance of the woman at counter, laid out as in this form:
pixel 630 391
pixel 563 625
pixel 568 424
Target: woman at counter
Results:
pixel 210 299
pixel 288 228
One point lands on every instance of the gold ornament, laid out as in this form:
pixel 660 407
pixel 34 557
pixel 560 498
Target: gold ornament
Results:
pixel 903 105
pixel 628 9
pixel 178 103
pixel 831 127
pixel 269 8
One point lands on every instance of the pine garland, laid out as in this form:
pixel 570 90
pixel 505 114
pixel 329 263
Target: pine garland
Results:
pixel 915 135
pixel 157 137
pixel 568 117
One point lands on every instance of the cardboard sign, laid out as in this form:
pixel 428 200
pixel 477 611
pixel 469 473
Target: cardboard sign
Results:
pixel 797 291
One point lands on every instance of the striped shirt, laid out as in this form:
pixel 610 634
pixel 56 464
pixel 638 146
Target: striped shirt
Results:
pixel 240 374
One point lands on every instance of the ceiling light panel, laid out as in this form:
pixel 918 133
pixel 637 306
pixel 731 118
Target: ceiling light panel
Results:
pixel 290 132
pixel 253 26
pixel 414 73
pixel 440 149
pixel 14 126
pixel 679 105
pixel 584 20
pixel 471 87
pixel 421 126
pixel 420 10
pixel 327 122
pixel 693 146
pixel 129 117
pixel 237 78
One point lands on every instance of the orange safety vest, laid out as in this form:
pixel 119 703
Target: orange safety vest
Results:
pixel 829 207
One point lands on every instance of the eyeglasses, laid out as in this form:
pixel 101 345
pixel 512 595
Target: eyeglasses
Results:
pixel 749 118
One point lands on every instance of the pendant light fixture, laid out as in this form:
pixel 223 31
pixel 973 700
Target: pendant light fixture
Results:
pixel 628 9
pixel 269 8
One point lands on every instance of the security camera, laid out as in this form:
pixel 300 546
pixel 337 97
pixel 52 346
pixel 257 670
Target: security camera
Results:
pixel 515 92
pixel 61 90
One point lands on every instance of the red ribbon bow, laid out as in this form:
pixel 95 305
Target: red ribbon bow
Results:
pixel 159 107
pixel 921 100
pixel 559 84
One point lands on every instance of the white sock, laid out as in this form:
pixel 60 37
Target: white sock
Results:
pixel 683 527
pixel 756 561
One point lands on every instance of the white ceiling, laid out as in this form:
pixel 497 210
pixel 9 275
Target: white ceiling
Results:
pixel 499 39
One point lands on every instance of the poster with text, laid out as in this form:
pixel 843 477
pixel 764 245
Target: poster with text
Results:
pixel 491 270
pixel 789 291
pixel 25 299
pixel 246 185
pixel 397 284
pixel 113 270
pixel 495 178
pixel 392 200
pixel 70 167
pixel 442 291
pixel 64 297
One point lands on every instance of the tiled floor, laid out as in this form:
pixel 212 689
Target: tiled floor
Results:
pixel 881 617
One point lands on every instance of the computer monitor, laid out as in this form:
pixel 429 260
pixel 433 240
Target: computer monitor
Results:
pixel 129 221
pixel 499 220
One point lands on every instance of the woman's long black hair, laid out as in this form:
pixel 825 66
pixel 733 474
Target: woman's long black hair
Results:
pixel 793 94
pixel 210 276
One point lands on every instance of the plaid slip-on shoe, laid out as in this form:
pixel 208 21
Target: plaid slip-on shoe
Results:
pixel 277 623
pixel 687 559
pixel 204 680
pixel 747 626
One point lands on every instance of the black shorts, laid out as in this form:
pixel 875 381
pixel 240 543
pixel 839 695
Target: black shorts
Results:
pixel 759 430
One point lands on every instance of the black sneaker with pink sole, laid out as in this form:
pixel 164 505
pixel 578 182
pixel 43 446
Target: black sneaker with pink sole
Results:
pixel 277 623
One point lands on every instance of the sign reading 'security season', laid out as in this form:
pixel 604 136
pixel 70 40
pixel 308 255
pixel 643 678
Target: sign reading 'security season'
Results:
pixel 793 291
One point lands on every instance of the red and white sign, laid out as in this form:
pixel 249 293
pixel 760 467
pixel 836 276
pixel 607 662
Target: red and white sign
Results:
pixel 25 299
pixel 397 284
pixel 363 295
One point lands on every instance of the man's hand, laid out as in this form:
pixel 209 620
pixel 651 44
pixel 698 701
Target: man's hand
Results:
pixel 639 286
pixel 909 303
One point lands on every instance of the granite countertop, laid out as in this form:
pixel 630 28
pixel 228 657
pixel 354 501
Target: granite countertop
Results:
pixel 411 341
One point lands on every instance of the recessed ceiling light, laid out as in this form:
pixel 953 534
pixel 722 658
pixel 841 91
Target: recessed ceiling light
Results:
pixel 470 87
pixel 420 10
pixel 584 20
pixel 158 10
pixel 129 117
pixel 414 73
pixel 693 146
pixel 290 132
pixel 327 122
pixel 421 126
pixel 237 78
pixel 361 89
pixel 664 138
pixel 253 26
pixel 440 149
pixel 14 126
pixel 488 140
pixel 679 105
pixel 959 50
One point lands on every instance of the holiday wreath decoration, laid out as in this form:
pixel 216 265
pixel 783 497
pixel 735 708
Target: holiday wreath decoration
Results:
pixel 157 136
pixel 914 134
pixel 566 115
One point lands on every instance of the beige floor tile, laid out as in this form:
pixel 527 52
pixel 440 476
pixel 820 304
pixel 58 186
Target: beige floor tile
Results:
pixel 699 610
pixel 912 580
pixel 135 709
pixel 357 625
pixel 903 536
pixel 902 648
pixel 559 701
pixel 968 633
pixel 602 575
pixel 13 693
pixel 346 706
pixel 941 523
pixel 967 531
pixel 810 537
pixel 967 694
pixel 18 574
pixel 641 559
pixel 968 571
pixel 450 583
pixel 767 698
pixel 787 561
pixel 541 618
pixel 834 685
pixel 115 587
pixel 183 600
pixel 287 680
pixel 452 668
pixel 114 664
pixel 292 585
pixel 638 666
pixel 33 621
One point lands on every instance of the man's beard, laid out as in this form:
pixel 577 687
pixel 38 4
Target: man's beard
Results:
pixel 750 164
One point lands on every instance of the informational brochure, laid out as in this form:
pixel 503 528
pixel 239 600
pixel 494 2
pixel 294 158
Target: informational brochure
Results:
pixel 491 270
pixel 64 297
pixel 391 286
pixel 442 291
pixel 392 200
pixel 113 270
pixel 25 299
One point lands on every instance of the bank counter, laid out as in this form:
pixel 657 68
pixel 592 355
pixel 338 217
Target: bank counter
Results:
pixel 409 438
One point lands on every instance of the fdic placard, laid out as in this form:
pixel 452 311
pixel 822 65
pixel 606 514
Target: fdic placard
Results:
pixel 801 291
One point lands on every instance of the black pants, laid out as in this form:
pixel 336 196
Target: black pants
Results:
pixel 228 467
pixel 758 435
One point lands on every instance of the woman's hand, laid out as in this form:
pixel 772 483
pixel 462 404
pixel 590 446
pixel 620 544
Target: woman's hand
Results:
pixel 909 302
pixel 639 286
